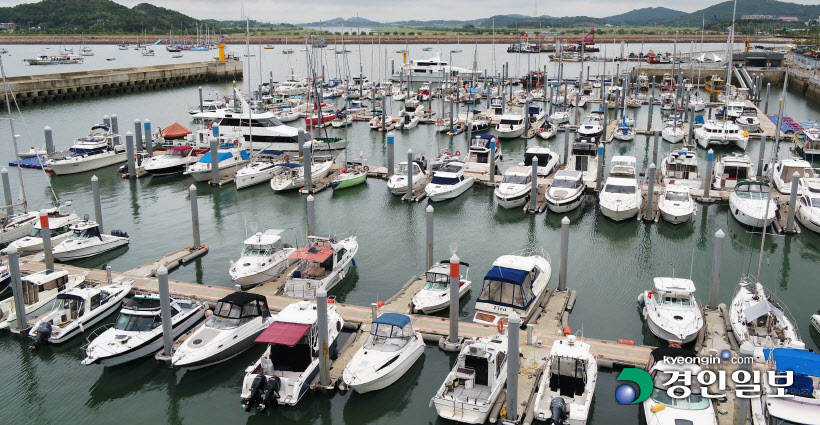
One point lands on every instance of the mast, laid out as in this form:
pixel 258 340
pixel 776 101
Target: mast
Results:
pixel 13 138
pixel 248 49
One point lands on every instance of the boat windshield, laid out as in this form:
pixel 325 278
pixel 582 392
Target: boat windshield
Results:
pixel 136 323
pixel 256 251
pixel 74 307
pixel 516 179
pixel 815 202
pixel 35 233
pixel 619 189
pixel 510 122
pixel 444 181
pixel 565 184
pixel 83 234
pixel 401 171
pixel 788 172
pixel 669 300
pixel 677 196
pixel 385 337
pixel 694 402
pixel 752 191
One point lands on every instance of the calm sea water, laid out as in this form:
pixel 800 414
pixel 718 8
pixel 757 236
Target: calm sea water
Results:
pixel 610 263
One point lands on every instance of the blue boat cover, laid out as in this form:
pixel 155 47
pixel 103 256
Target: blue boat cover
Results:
pixel 503 274
pixel 245 155
pixel 290 165
pixel 798 361
pixel 206 159
pixel 393 319
pixel 272 152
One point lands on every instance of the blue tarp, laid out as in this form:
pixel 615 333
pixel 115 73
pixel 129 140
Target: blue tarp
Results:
pixel 206 159
pixel 394 319
pixel 245 155
pixel 503 274
pixel 798 361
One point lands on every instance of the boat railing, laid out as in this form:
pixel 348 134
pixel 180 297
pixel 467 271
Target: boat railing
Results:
pixel 96 333
pixel 533 251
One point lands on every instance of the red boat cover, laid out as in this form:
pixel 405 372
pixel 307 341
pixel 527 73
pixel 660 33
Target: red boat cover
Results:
pixel 317 254
pixel 282 333
pixel 175 131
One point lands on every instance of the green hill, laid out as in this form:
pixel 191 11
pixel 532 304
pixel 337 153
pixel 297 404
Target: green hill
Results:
pixel 722 12
pixel 645 16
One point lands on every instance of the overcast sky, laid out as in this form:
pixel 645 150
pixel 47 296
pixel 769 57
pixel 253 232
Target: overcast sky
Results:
pixel 295 11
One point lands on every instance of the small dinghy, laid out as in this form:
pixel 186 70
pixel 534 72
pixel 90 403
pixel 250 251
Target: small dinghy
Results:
pixel 435 295
pixel 86 240
pixel 567 385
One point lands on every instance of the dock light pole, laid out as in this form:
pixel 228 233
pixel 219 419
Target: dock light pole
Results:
pixel 307 173
pixel 17 287
pixel 710 162
pixel 311 216
pixel 45 233
pixel 410 175
pixel 214 160
pixel 534 184
pixel 790 224
pixel 138 134
pixel 324 355
pixel 391 140
pixel 716 260
pixel 455 278
pixel 50 136
pixel 562 272
pixel 165 311
pixel 95 191
pixel 129 151
pixel 513 321
pixel 149 138
pixel 429 218
pixel 7 191
pixel 194 215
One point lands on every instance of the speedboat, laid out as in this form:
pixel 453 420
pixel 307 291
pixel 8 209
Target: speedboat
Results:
pixel 323 263
pixel 621 197
pixel 290 362
pixel 264 257
pixel 676 204
pixel 175 160
pixel 397 183
pixel 714 132
pixel 261 169
pixel 751 203
pixel 671 311
pixel 77 309
pixel 292 176
pixel 59 224
pixel 748 120
pixel 808 204
pixel 592 126
pixel 567 385
pixel 237 320
pixel 470 390
pixel 435 295
pixel 548 160
pixel 392 347
pixel 448 182
pixel 515 187
pixel 559 116
pixel 229 161
pixel 681 167
pixel 672 133
pixel 783 173
pixel 90 153
pixel 791 401
pixel 137 331
pixel 477 159
pixel 757 317
pixel 525 274
pixel 566 191
pixel 407 121
pixel 673 365
pixel 584 158
pixel 86 240
pixel 730 169
pixel 511 125
pixel 39 290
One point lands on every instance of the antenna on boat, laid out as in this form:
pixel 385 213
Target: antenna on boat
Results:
pixel 692 264
pixel 454 248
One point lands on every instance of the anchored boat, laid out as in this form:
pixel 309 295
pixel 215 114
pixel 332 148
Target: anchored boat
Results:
pixel 671 311
pixel 435 295
pixel 39 290
pixel 323 263
pixel 567 385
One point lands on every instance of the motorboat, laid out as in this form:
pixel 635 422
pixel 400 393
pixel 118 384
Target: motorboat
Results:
pixel 175 160
pixel 264 257
pixel 59 59
pixel 433 69
pixel 621 197
pixel 592 126
pixel 408 120
pixel 397 183
pixel 342 120
pixel 795 401
pixel 434 296
pixel 671 310
pixel 567 385
pixel 470 390
pixel 566 191
pixel 714 132
pixel 290 363
pixel 751 203
pixel 322 263
pixel 681 167
pixel 548 160
pixel 39 290
pixel 526 273
pixel 32 153
pixel 672 133
pixel 292 176
pixel 448 182
pixel 349 177
pixel 477 159
pixel 748 120
pixel 137 332
pixel 511 125
pixel 229 161
pixel 559 116
pixel 211 102
pixel 76 310
pixel 261 169
pixel 808 204
pixel 536 116
pixel 59 224
pixel 676 204
pixel 237 320
pixel 99 149
pixel 757 317
pixel 783 171
pixel 584 158
pixel 546 131
pixel 669 368
pixel 730 169
pixel 807 141
pixel 515 187
pixel 86 240
pixel 392 347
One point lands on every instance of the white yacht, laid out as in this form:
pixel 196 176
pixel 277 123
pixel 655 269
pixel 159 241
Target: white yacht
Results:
pixel 229 161
pixel 566 191
pixel 730 169
pixel 748 120
pixel 175 160
pixel 525 274
pixel 261 169
pixel 89 153
pixel 264 257
pixel 624 132
pixel 783 172
pixel 511 124
pixel 77 309
pixel 672 133
pixel 801 403
pixel 435 295
pixel 477 159
pixel 237 320
pixel 621 197
pixel 448 182
pixel 86 240
pixel 751 203
pixel 397 183
pixel 676 204
pixel 584 158
pixel 559 116
pixel 291 361
pixel 470 390
pixel 137 331
pixel 18 225
pixel 515 188
pixel 548 160
pixel 671 311
pixel 39 290
pixel 660 408
pixel 433 69
pixel 392 347
pixel 592 126
pixel 696 102
pixel 681 167
pixel 721 133
pixel 567 386
pixel 808 204
pixel 292 176
pixel 323 263
pixel 757 317
pixel 59 224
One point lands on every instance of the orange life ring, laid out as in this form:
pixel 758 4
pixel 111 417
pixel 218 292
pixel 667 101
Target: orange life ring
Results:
pixel 458 153
pixel 210 126
pixel 366 168
pixel 500 326
pixel 446 153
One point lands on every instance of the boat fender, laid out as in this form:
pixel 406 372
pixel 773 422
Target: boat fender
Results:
pixel 626 342
pixel 558 408
pixel 567 330
pixel 380 304
pixel 366 168
pixel 353 261
pixel 658 407
pixel 458 153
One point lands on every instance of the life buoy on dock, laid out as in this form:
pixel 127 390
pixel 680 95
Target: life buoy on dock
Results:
pixel 674 345
pixel 366 168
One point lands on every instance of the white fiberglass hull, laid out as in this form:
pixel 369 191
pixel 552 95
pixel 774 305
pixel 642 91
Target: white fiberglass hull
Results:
pixel 808 218
pixel 566 204
pixel 82 164
pixel 69 250
pixel 438 193
pixel 17 232
pixel 618 211
pixel 228 344
pixel 507 133
pixel 226 171
pixel 436 303
pixel 391 375
pixel 512 199
pixel 248 280
pixel 675 215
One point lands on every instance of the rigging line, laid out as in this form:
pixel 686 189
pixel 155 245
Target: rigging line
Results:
pixel 13 138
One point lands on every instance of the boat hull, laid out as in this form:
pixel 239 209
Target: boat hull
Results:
pixel 80 165
pixel 224 172
pixel 343 184
pixel 513 201
pixel 564 205
pixel 223 355
pixel 450 194
pixel 393 375
pixel 18 232
pixel 246 282
pixel 618 214
pixel 89 251
pixel 76 330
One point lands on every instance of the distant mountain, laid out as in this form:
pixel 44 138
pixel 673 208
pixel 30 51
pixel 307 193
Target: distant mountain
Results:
pixel 645 16
pixel 723 11
pixel 342 22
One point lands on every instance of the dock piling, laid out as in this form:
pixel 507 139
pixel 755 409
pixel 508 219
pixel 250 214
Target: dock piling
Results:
pixel 7 191
pixel 655 146
pixel 106 121
pixel 766 105
pixel 324 355
pixel 710 162
pixel 95 191
pixel 129 152
pixel 530 330
pixel 50 136
pixel 566 144
pixel 453 98
pixel 692 126
pixel 650 195
pixel 761 154
pixel 374 311
pixel 165 311
pixel 17 287
pixel 526 116
pixel 429 216
pixel 115 128
pixel 306 171
pixel 214 160
pixel 562 272
pixel 45 233
pixel 200 98
pixel 149 138
pixel 391 140
pixel 534 189
pixel 716 260
pixel 108 277
pixel 513 321
pixel 492 161
pixel 651 103
pixel 600 171
pixel 455 278
pixel 311 216
pixel 194 215
pixel 742 403
pixel 138 134
pixel 790 224
pixel 384 113
pixel 409 175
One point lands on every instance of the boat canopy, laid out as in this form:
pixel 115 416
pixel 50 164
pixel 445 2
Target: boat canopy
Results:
pixel 290 165
pixel 64 296
pixel 100 127
pixel 175 131
pixel 242 304
pixel 762 308
pixel 184 148
pixel 504 274
pixel 283 333
pixel 482 141
pixel 318 254
pixel 393 319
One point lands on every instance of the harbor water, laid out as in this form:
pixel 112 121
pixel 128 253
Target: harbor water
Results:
pixel 609 263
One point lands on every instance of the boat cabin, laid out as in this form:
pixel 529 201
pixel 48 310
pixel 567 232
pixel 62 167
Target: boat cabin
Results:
pixel 263 244
pixel 237 309
pixel 389 332
pixel 78 301
pixel 478 369
pixel 673 292
pixel 438 277
pixel 682 165
pixel 480 148
pixel 43 281
pixel 317 259
pixel 450 173
pixel 180 151
pixel 568 179
pixel 510 287
pixel 582 151
pixel 85 230
pixel 623 166
pixel 569 368
pixel 668 374
pixel 753 190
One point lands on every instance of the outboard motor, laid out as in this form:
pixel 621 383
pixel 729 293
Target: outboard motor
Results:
pixel 257 390
pixel 43 334
pixel 558 407
pixel 271 395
